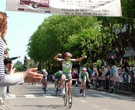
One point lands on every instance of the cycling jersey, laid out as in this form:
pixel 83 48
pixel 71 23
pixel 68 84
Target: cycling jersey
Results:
pixel 57 75
pixel 83 76
pixel 66 66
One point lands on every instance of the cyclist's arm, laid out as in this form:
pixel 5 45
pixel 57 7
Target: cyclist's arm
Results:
pixel 57 57
pixel 88 77
pixel 80 58
pixel 79 76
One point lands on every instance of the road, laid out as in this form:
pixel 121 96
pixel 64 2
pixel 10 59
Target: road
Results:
pixel 31 97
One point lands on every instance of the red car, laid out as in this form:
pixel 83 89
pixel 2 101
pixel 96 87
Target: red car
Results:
pixel 35 3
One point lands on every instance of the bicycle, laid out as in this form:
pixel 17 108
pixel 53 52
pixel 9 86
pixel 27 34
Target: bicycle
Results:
pixel 84 91
pixel 58 87
pixel 44 83
pixel 67 98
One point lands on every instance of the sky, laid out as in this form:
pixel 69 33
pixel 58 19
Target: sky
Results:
pixel 21 25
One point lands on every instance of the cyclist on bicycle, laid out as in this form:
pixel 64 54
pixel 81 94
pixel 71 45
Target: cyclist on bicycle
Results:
pixel 57 76
pixel 67 68
pixel 83 76
pixel 44 81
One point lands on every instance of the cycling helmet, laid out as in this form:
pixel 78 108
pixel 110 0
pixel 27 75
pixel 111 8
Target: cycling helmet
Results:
pixel 44 71
pixel 61 72
pixel 84 68
pixel 68 54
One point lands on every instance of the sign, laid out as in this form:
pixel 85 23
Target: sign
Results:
pixel 67 7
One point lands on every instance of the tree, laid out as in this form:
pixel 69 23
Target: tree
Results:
pixel 19 66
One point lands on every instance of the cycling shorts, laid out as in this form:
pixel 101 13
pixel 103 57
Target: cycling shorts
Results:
pixel 68 76
pixel 56 78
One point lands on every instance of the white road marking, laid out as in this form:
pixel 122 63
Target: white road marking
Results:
pixel 98 95
pixel 96 106
pixel 50 97
pixel 29 96
pixel 11 96
pixel 80 100
pixel 83 101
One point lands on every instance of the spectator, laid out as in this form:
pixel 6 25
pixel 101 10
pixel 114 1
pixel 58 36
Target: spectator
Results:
pixel 90 71
pixel 75 76
pixel 11 79
pixel 126 68
pixel 102 62
pixel 112 66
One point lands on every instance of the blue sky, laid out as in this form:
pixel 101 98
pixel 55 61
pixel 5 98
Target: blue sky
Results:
pixel 21 25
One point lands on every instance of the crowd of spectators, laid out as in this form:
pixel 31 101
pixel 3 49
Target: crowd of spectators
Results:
pixel 109 77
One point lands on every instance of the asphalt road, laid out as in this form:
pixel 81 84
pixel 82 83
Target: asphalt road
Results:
pixel 32 97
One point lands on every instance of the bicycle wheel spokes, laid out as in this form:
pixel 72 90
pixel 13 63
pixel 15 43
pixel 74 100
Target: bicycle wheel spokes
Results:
pixel 65 96
pixel 65 99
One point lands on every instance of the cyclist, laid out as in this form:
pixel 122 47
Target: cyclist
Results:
pixel 67 68
pixel 44 81
pixel 83 77
pixel 57 76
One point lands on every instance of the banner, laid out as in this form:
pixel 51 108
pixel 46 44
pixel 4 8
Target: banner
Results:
pixel 67 7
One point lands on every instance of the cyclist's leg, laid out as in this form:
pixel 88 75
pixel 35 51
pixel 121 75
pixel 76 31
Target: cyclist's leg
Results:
pixel 63 77
pixel 81 85
pixel 46 84
pixel 69 76
pixel 70 87
pixel 84 84
pixel 43 83
pixel 54 79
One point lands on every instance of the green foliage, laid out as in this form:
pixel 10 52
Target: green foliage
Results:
pixel 128 8
pixel 19 66
pixel 83 35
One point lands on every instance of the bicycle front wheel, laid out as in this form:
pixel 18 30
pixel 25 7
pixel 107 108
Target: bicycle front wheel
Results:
pixel 84 93
pixel 65 96
pixel 69 102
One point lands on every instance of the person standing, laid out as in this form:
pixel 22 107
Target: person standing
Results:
pixel 112 66
pixel 29 75
pixel 126 68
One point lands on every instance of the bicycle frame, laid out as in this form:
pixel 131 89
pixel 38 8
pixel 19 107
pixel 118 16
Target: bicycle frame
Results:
pixel 67 94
